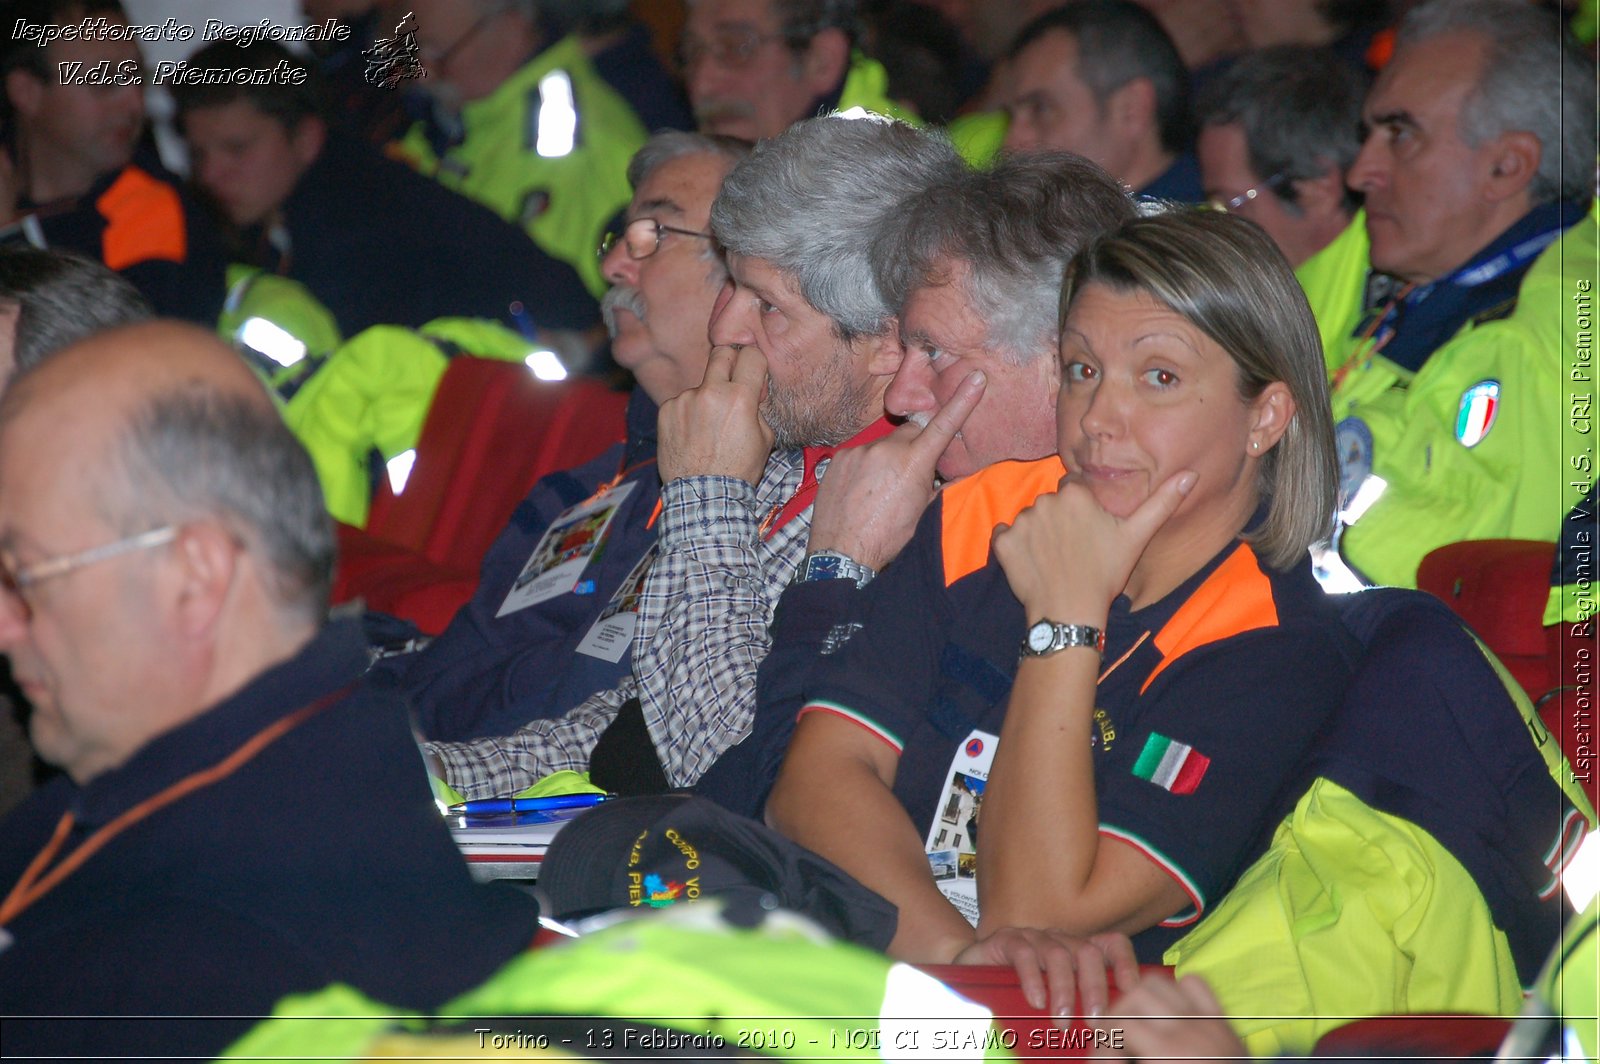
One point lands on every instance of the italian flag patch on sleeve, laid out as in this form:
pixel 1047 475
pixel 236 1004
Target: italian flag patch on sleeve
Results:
pixel 1171 765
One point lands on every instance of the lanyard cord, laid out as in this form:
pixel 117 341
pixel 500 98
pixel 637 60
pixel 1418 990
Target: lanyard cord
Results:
pixel 1125 656
pixel 779 516
pixel 622 471
pixel 34 884
pixel 1359 351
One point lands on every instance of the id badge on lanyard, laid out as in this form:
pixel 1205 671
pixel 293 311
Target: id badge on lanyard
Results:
pixel 564 551
pixel 612 635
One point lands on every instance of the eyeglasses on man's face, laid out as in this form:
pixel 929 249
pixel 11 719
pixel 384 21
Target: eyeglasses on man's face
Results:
pixel 641 238
pixel 1276 183
pixel 729 49
pixel 16 580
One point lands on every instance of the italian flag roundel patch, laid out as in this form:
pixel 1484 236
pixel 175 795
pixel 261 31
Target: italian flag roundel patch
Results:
pixel 1475 416
pixel 1171 765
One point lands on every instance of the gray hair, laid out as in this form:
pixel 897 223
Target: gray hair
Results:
pixel 1014 227
pixel 670 145
pixel 810 200
pixel 198 451
pixel 1534 79
pixel 62 298
pixel 1226 277
pixel 1299 109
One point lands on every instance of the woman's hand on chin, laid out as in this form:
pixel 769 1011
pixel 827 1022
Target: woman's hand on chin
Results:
pixel 1067 558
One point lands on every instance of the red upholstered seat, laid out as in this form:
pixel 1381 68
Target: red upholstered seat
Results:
pixel 492 431
pixel 1415 1037
pixel 1499 587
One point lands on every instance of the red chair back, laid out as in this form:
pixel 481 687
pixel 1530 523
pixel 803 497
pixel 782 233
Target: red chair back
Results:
pixel 1030 1032
pixel 492 431
pixel 1499 587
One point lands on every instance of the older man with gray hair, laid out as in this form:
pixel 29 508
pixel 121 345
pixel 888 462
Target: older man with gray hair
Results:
pixel 1452 399
pixel 804 346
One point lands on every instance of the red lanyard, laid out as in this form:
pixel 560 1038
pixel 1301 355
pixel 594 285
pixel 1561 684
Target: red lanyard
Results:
pixel 622 473
pixel 813 457
pixel 35 884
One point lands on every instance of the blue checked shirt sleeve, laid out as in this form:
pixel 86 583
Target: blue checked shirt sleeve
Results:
pixel 504 765
pixel 706 611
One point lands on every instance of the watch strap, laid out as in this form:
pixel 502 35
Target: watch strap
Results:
pixel 1063 636
pixel 833 565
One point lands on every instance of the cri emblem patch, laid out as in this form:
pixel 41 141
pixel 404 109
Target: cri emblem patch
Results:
pixel 1480 404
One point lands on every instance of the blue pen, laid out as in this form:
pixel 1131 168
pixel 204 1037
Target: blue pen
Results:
pixel 528 805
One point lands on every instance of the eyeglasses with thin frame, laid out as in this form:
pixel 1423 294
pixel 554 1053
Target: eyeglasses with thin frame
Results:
pixel 14 582
pixel 641 238
pixel 729 49
pixel 1274 183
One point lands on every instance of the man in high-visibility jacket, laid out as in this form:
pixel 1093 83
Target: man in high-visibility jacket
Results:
pixel 1278 130
pixel 374 241
pixel 1451 398
pixel 523 125
pixel 754 67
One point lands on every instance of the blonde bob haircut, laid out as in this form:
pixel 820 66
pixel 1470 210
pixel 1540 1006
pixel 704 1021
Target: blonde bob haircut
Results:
pixel 1228 279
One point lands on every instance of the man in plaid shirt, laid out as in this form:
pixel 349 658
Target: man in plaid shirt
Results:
pixel 804 346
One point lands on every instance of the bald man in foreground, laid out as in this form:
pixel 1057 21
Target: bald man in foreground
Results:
pixel 240 816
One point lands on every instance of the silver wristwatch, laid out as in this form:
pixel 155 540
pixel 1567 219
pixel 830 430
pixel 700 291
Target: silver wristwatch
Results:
pixel 832 565
pixel 1047 637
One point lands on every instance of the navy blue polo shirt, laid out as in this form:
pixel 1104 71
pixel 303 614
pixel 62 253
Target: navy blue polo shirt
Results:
pixel 321 859
pixel 1210 701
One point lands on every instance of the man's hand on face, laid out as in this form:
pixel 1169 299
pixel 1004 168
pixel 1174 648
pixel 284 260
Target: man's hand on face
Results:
pixel 872 497
pixel 716 429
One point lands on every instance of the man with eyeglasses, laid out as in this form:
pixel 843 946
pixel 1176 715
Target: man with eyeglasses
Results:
pixel 80 183
pixel 241 817
pixel 1278 130
pixel 754 67
pixel 48 300
pixel 526 647
pixel 804 346
pixel 523 125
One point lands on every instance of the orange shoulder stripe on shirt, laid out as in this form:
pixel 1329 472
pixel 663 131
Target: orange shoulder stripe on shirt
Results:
pixel 975 504
pixel 144 221
pixel 1236 598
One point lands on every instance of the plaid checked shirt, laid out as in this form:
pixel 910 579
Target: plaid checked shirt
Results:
pixel 702 630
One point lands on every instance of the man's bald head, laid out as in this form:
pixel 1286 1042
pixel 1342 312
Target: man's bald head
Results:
pixel 165 536
pixel 164 423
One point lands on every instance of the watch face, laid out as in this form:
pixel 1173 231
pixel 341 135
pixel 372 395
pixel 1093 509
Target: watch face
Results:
pixel 1040 636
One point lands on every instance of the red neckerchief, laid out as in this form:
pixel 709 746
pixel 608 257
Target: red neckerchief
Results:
pixel 806 494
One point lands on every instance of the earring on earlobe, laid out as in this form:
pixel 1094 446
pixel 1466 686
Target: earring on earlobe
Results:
pixel 1255 445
